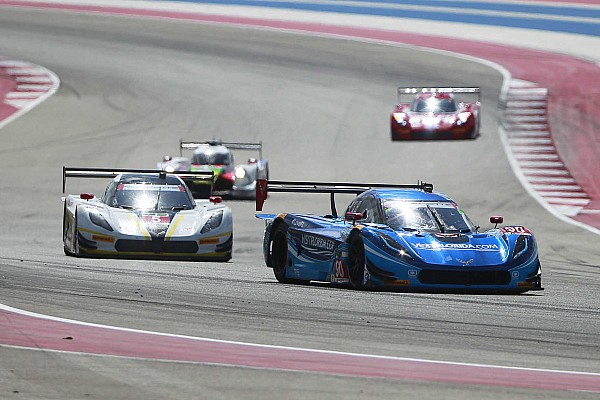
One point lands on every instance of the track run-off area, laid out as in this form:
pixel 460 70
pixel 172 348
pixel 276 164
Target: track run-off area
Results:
pixel 554 166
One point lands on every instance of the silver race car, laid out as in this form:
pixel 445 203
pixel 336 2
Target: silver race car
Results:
pixel 145 214
pixel 236 181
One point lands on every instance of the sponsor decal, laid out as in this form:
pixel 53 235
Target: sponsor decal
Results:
pixel 156 218
pixel 318 242
pixel 208 241
pixel 465 262
pixel 515 230
pixel 399 282
pixel 340 273
pixel 515 274
pixel 524 284
pixel 144 187
pixel 299 223
pixel 102 238
pixel 456 246
pixel 412 273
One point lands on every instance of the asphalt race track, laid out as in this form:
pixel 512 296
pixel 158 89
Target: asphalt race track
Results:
pixel 131 88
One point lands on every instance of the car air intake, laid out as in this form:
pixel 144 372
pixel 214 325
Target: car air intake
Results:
pixel 465 278
pixel 155 246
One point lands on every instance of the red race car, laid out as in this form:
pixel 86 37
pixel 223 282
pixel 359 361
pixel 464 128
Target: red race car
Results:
pixel 435 113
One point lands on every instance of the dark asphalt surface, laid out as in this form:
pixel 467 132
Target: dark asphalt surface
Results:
pixel 131 88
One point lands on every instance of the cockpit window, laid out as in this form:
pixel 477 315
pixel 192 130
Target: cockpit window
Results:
pixel 212 158
pixel 441 217
pixel 150 197
pixel 434 105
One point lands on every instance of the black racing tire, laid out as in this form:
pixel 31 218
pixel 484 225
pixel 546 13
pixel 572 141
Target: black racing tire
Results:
pixel 279 254
pixel 356 262
pixel 75 252
pixel 476 129
pixel 64 228
pixel 74 242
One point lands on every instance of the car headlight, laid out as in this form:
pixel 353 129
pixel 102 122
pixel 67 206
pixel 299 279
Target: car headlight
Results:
pixel 213 222
pixel 521 246
pixel 392 244
pixel 98 219
pixel 399 117
pixel 464 116
pixel 240 173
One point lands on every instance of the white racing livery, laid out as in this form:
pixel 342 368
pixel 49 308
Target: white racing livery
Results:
pixel 145 214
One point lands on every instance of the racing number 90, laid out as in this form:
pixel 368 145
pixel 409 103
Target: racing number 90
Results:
pixel 338 269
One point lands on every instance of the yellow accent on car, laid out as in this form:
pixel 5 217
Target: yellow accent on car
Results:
pixel 141 227
pixel 173 227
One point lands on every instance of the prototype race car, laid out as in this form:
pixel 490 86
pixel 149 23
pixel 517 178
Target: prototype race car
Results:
pixel 216 156
pixel 396 236
pixel 435 113
pixel 145 214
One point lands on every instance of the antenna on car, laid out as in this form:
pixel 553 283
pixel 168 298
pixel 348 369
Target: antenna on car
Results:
pixel 426 187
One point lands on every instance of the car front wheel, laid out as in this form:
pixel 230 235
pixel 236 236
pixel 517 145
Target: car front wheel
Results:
pixel 356 262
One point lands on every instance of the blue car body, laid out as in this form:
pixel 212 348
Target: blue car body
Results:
pixel 442 251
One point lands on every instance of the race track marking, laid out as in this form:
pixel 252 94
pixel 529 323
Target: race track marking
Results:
pixel 23 329
pixel 530 141
pixel 34 331
pixel 24 85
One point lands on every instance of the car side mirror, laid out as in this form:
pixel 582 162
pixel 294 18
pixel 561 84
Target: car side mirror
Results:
pixel 353 216
pixel 496 220
pixel 215 199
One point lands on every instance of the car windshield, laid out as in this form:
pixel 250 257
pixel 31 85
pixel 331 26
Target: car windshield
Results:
pixel 434 105
pixel 151 197
pixel 211 158
pixel 426 216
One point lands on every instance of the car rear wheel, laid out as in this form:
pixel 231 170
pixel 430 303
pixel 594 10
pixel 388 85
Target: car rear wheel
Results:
pixel 75 237
pixel 65 228
pixel 279 256
pixel 356 262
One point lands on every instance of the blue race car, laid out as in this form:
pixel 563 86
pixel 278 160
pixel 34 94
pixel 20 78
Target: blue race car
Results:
pixel 396 236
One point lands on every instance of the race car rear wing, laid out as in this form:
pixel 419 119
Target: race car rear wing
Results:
pixel 263 187
pixel 190 145
pixel 74 172
pixel 403 92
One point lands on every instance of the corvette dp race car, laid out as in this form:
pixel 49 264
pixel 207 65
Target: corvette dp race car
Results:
pixel 435 113
pixel 216 156
pixel 145 214
pixel 396 236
